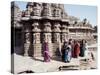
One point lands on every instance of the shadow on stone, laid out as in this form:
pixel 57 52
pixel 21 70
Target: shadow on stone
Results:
pixel 37 59
pixel 27 71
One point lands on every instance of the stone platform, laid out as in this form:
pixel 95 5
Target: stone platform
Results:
pixel 22 63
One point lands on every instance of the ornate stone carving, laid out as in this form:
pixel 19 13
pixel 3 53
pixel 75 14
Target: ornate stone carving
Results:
pixel 29 6
pixel 56 30
pixel 56 37
pixel 36 38
pixel 47 32
pixel 47 37
pixel 36 32
pixel 46 10
pixel 47 27
pixel 57 12
pixel 35 27
pixel 64 38
pixel 64 26
pixel 27 44
pixel 27 38
pixel 56 27
pixel 36 9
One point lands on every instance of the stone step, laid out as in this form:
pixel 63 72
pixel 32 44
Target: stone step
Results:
pixel 70 67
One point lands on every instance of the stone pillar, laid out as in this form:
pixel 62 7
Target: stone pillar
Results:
pixel 36 33
pixel 67 34
pixel 56 34
pixel 47 32
pixel 56 38
pixel 27 43
pixel 64 33
pixel 36 40
pixel 47 35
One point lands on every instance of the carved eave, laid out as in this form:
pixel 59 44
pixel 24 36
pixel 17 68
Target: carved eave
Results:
pixel 47 24
pixel 64 20
pixel 56 18
pixel 47 17
pixel 47 30
pixel 56 30
pixel 27 30
pixel 64 31
pixel 35 24
pixel 25 18
pixel 36 30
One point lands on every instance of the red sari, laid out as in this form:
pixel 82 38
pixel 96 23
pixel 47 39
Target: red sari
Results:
pixel 76 50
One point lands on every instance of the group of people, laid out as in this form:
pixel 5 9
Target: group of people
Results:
pixel 69 49
pixel 73 49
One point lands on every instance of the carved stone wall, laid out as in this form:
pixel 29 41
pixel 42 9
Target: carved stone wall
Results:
pixel 49 22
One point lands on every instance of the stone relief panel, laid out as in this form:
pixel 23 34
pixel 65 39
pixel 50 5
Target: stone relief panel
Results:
pixel 35 27
pixel 47 27
pixel 46 10
pixel 47 37
pixel 57 27
pixel 64 37
pixel 27 38
pixel 36 38
pixel 36 9
pixel 56 37
pixel 57 12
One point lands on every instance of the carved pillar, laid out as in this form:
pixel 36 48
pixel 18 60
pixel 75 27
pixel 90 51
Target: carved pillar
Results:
pixel 47 32
pixel 27 43
pixel 36 33
pixel 56 34
pixel 27 37
pixel 36 39
pixel 47 35
pixel 64 33
pixel 67 30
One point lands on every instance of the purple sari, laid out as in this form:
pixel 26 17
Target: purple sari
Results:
pixel 46 53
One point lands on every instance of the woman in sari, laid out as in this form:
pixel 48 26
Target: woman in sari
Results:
pixel 46 52
pixel 66 52
pixel 82 48
pixel 76 49
pixel 69 52
pixel 63 51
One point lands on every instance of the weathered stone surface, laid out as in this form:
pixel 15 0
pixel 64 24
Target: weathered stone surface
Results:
pixel 49 22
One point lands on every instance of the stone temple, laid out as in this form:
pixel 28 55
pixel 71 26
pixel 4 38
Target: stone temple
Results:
pixel 45 21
